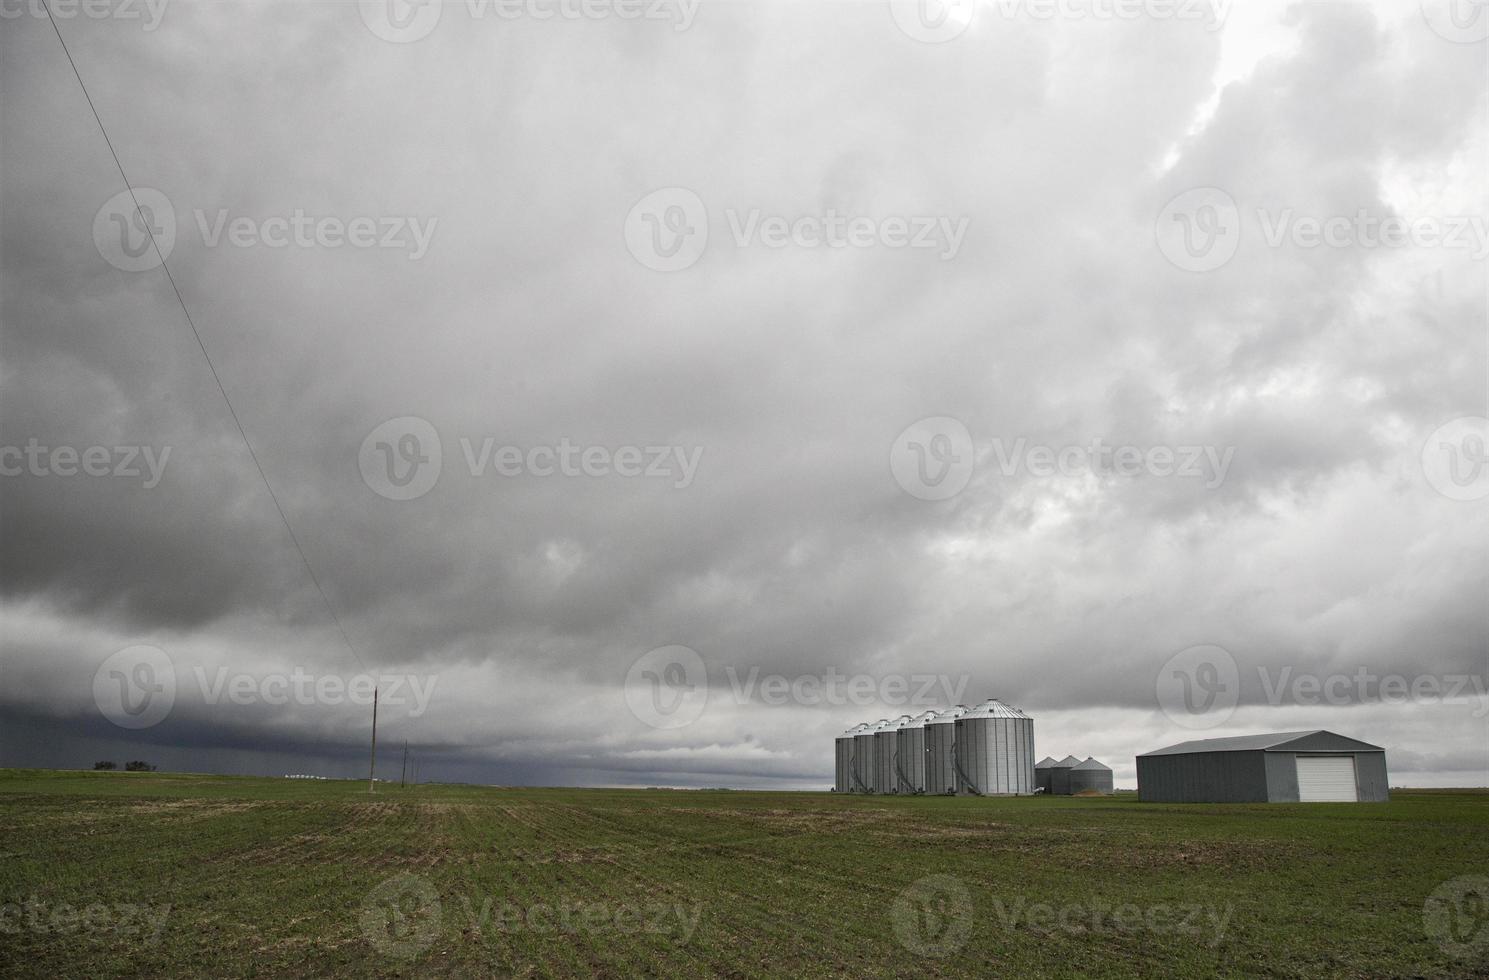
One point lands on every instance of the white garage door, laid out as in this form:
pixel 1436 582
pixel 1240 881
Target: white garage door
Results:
pixel 1326 778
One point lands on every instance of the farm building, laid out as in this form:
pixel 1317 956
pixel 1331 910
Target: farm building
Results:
pixel 1286 767
pixel 1090 777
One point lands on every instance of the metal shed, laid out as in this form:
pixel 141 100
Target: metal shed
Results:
pixel 1090 777
pixel 1042 773
pixel 1285 767
pixel 910 758
pixel 940 755
pixel 1060 775
pixel 995 750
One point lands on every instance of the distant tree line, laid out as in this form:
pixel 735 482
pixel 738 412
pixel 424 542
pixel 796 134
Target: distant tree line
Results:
pixel 135 766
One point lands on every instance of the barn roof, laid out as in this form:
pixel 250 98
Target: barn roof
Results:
pixel 1316 740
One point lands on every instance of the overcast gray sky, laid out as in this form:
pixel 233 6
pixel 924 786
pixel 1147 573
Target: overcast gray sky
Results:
pixel 740 253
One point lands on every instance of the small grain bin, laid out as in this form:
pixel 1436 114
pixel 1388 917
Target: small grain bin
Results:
pixel 886 751
pixel 910 744
pixel 1060 775
pixel 995 750
pixel 1042 774
pixel 843 759
pixel 940 751
pixel 863 757
pixel 1090 777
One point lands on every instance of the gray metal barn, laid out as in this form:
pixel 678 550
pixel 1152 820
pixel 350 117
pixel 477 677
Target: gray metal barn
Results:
pixel 1090 777
pixel 1286 767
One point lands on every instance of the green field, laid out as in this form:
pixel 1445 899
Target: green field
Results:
pixel 170 875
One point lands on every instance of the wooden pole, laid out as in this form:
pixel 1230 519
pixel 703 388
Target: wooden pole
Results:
pixel 372 766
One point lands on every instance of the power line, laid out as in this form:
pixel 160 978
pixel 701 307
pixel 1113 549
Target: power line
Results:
pixel 150 232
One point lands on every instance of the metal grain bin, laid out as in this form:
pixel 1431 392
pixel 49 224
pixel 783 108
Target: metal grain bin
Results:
pixel 1042 773
pixel 940 751
pixel 910 744
pixel 863 758
pixel 886 752
pixel 1060 775
pixel 843 759
pixel 1090 776
pixel 995 750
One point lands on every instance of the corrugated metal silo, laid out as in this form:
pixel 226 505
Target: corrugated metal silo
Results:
pixel 1090 776
pixel 863 758
pixel 910 743
pixel 995 750
pixel 843 757
pixel 886 750
pixel 1042 773
pixel 1060 775
pixel 940 751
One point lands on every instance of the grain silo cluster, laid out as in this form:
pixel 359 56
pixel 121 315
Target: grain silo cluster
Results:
pixel 1071 776
pixel 983 751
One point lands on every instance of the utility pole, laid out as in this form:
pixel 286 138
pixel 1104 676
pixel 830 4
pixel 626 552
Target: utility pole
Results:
pixel 403 779
pixel 372 766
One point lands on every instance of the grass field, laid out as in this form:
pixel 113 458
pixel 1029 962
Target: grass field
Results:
pixel 170 875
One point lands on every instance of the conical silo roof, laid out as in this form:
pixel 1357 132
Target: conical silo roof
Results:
pixel 949 715
pixel 921 720
pixel 1069 762
pixel 993 708
pixel 1045 763
pixel 1092 764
